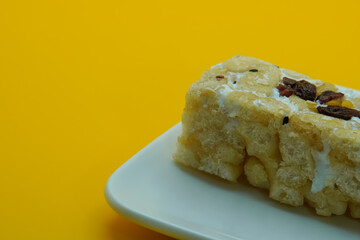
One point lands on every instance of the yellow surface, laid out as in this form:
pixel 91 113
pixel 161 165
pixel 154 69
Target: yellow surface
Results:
pixel 84 85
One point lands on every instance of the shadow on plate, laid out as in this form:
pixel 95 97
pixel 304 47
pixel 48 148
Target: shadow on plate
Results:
pixel 345 222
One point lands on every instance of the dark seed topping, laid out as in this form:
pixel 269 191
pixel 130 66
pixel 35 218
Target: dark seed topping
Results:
pixel 303 89
pixel 234 82
pixel 285 120
pixel 253 70
pixel 327 96
pixel 219 76
pixel 339 112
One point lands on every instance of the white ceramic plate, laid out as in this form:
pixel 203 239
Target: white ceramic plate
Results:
pixel 155 192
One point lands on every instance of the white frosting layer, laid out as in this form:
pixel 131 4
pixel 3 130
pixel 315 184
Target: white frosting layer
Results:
pixel 220 65
pixel 355 123
pixel 222 93
pixel 235 76
pixel 324 176
pixel 231 86
pixel 316 82
pixel 276 94
pixel 348 93
pixel 258 102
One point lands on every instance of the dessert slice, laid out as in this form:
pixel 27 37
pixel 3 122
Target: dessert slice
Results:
pixel 295 136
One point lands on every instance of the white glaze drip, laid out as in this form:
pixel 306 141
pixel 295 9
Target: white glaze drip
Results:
pixel 324 176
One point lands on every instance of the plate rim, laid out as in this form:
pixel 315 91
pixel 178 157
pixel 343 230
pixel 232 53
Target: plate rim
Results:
pixel 143 219
pixel 154 222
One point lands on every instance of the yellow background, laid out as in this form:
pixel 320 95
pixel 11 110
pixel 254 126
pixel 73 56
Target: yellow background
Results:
pixel 84 85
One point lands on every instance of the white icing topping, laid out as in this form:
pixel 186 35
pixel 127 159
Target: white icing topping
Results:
pixel 324 176
pixel 356 119
pixel 354 123
pixel 258 102
pixel 283 74
pixel 276 94
pixel 316 82
pixel 235 76
pixel 222 93
pixel 262 81
pixel 219 65
pixel 349 93
pixel 318 104
pixel 229 87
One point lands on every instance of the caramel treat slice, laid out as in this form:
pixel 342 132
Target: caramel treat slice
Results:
pixel 295 136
